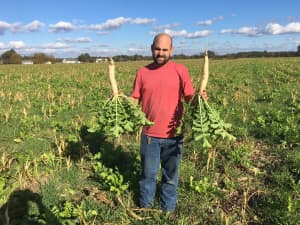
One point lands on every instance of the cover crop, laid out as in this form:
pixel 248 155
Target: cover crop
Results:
pixel 119 114
pixel 207 126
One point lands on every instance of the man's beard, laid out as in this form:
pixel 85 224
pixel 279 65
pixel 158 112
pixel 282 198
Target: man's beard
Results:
pixel 160 60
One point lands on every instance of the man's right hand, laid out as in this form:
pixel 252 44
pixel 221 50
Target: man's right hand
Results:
pixel 203 94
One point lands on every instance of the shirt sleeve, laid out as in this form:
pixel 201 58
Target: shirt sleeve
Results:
pixel 188 90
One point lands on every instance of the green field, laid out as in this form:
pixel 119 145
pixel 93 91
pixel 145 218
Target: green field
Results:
pixel 53 171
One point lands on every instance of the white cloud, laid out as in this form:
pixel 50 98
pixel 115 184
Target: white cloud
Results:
pixel 110 24
pixel 13 27
pixel 136 50
pixel 142 21
pixel 76 40
pixel 3 27
pixel 113 24
pixel 185 34
pixel 61 26
pixel 247 31
pixel 83 40
pixel 16 44
pixel 275 28
pixel 205 22
pixel 34 26
pixel 16 27
pixel 210 21
pixel 56 45
pixel 166 26
pixel 173 33
pixel 199 34
pixel 19 27
pixel 269 29
pixel 103 52
pixel 225 31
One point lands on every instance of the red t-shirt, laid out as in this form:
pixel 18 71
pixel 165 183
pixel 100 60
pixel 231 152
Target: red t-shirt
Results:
pixel 160 91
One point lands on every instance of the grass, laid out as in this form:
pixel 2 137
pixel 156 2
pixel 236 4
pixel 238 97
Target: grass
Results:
pixel 47 154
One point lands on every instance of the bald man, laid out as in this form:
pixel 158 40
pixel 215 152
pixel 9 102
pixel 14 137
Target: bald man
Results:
pixel 160 88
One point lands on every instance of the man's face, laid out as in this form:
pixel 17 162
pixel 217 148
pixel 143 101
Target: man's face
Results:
pixel 161 50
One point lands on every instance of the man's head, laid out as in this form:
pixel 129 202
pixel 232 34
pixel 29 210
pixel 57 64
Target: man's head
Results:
pixel 162 48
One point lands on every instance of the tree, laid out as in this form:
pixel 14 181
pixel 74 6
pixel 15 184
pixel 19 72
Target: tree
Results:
pixel 15 59
pixel 298 49
pixel 11 57
pixel 40 58
pixel 85 58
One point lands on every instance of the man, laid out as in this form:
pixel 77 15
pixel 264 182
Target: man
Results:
pixel 160 88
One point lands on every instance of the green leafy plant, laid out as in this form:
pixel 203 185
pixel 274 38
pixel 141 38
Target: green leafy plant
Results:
pixel 203 186
pixel 279 125
pixel 119 114
pixel 70 213
pixel 4 191
pixel 207 126
pixel 111 178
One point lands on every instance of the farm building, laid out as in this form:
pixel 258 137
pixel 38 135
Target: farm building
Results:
pixel 99 60
pixel 27 62
pixel 70 61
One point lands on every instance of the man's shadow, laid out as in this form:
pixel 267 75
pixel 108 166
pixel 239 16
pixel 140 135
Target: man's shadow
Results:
pixel 114 156
pixel 17 209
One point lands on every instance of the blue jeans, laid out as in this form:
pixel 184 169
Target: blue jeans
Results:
pixel 156 152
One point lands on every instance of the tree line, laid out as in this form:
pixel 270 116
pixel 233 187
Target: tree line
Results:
pixel 12 57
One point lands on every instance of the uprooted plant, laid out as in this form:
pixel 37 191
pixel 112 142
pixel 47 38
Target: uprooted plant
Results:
pixel 119 114
pixel 207 125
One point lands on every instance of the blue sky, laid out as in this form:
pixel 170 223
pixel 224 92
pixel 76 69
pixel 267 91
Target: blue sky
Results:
pixel 112 27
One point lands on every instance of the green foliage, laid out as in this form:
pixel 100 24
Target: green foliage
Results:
pixel 293 163
pixel 11 57
pixel 39 58
pixel 240 155
pixel 272 208
pixel 279 205
pixel 117 116
pixel 279 125
pixel 45 108
pixel 207 126
pixel 70 213
pixel 111 178
pixel 204 187
pixel 85 57
pixel 4 190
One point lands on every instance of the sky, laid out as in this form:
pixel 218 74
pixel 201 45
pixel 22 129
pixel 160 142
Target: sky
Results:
pixel 66 29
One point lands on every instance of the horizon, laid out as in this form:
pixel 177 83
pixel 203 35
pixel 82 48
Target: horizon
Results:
pixel 199 54
pixel 68 29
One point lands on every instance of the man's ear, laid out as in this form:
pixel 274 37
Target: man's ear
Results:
pixel 171 50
